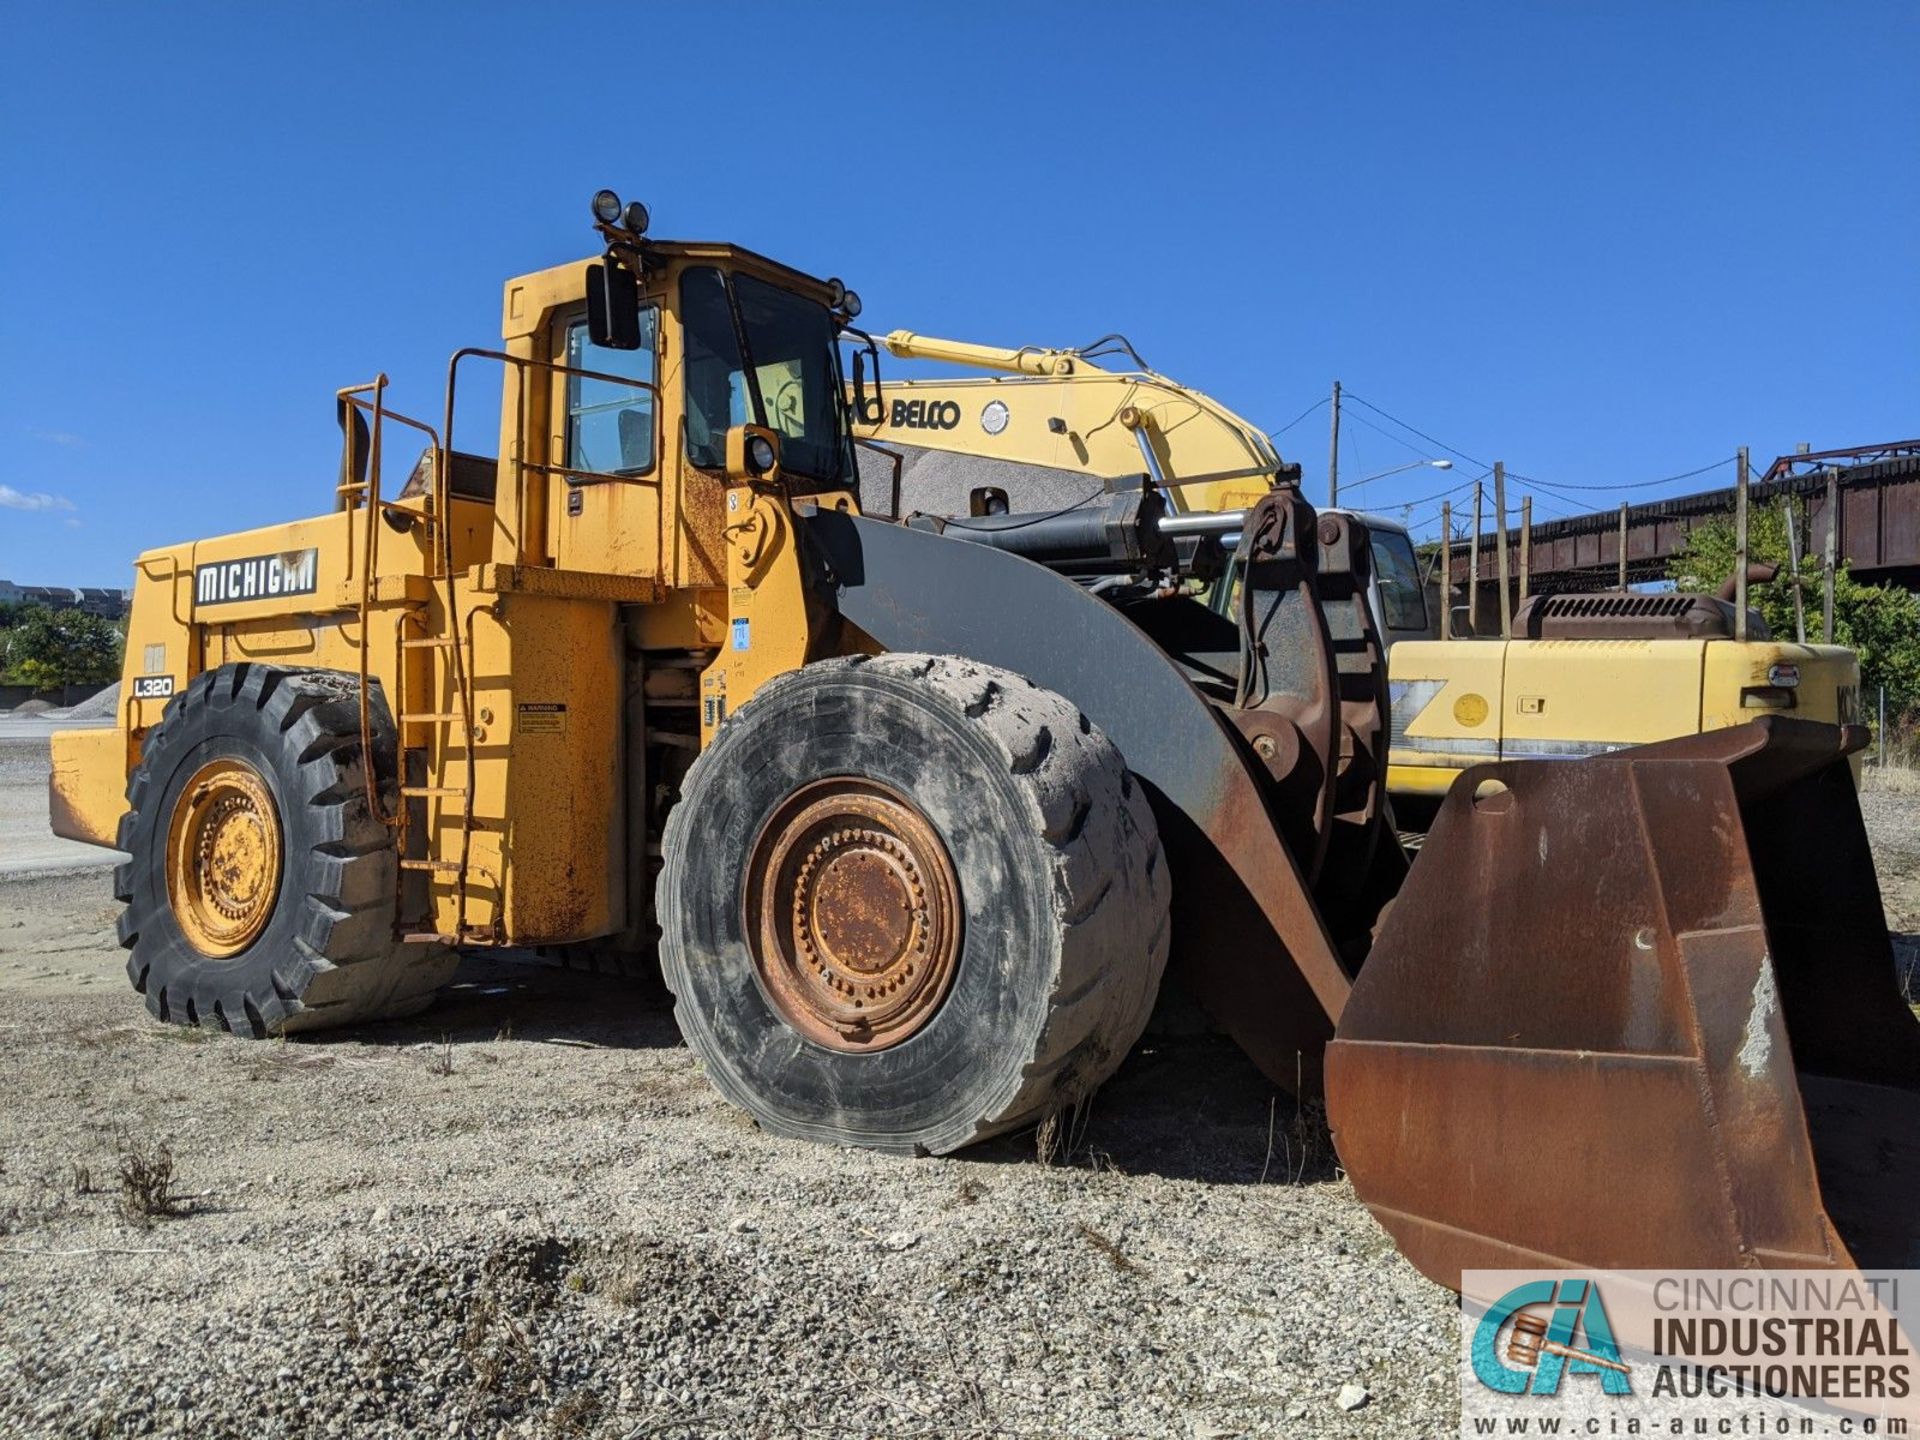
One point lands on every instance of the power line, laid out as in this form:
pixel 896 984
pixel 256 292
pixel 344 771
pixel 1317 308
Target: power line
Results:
pixel 1362 420
pixel 1466 484
pixel 1540 486
pixel 1276 434
pixel 1554 487
pixel 1633 485
pixel 1471 460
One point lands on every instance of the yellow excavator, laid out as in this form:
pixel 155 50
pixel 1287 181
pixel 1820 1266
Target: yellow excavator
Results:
pixel 917 812
pixel 1578 675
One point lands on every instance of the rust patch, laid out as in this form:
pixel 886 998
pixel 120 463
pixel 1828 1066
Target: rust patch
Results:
pixel 853 914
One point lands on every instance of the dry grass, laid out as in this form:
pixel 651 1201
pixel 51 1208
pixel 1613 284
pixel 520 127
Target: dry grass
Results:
pixel 575 1414
pixel 1906 960
pixel 1046 1139
pixel 1116 1257
pixel 1891 779
pixel 498 1350
pixel 441 1062
pixel 1304 1148
pixel 146 1184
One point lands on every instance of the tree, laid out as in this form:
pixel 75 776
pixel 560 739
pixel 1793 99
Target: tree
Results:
pixel 1879 623
pixel 50 649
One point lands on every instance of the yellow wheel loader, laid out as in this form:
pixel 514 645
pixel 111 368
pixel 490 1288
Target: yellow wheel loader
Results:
pixel 912 809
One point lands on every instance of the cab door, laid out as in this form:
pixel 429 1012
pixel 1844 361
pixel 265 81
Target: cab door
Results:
pixel 605 491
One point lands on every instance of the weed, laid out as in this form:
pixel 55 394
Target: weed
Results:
pixel 1046 1138
pixel 625 1287
pixel 82 1178
pixel 442 1061
pixel 574 1414
pixel 146 1184
pixel 1309 1141
pixel 1115 1255
pixel 969 1192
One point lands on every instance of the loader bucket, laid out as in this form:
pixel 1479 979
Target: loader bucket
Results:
pixel 1639 1011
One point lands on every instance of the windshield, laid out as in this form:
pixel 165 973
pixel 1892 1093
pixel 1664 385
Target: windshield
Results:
pixel 793 386
pixel 1403 600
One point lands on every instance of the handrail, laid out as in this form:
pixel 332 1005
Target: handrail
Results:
pixel 369 559
pixel 443 506
pixel 369 490
pixel 370 397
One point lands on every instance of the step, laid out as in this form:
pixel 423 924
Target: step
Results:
pixel 437 867
pixel 458 791
pixel 432 642
pixel 428 937
pixel 422 717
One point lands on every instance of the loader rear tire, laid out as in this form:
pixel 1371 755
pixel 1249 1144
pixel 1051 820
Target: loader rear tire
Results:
pixel 974 816
pixel 260 890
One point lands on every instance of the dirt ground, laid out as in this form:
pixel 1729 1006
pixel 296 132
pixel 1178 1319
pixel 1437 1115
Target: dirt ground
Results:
pixel 526 1214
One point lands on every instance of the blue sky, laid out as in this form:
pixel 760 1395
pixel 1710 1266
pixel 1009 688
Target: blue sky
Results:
pixel 1603 242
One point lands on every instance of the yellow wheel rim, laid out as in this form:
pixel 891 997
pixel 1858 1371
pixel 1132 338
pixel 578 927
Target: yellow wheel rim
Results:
pixel 223 858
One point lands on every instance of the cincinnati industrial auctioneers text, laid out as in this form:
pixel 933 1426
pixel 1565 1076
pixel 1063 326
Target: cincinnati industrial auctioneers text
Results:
pixel 1815 1337
pixel 1689 1352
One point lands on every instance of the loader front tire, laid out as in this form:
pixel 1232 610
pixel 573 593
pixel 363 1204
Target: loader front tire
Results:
pixel 260 891
pixel 910 902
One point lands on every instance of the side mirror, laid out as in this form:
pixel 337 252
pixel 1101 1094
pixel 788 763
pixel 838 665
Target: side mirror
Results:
pixel 753 455
pixel 613 306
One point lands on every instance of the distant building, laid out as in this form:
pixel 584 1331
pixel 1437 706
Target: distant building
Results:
pixel 98 600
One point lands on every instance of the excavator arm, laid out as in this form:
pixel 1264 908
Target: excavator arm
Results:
pixel 1053 427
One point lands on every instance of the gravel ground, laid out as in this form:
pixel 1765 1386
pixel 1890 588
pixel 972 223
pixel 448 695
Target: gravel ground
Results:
pixel 527 1214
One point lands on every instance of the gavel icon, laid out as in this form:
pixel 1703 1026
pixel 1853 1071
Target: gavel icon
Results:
pixel 1529 1342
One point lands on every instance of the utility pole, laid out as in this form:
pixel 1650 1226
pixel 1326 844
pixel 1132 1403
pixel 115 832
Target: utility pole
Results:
pixel 1833 551
pixel 1446 570
pixel 1740 549
pixel 1623 549
pixel 1473 565
pixel 1526 547
pixel 1793 560
pixel 1500 533
pixel 1333 453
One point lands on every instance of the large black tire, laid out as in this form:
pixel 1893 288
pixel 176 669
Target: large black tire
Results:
pixel 1061 885
pixel 327 955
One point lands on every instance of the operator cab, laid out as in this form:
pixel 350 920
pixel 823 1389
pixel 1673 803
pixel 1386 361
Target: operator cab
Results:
pixel 759 348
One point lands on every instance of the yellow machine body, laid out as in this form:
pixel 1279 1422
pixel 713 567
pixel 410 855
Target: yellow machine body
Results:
pixel 1058 410
pixel 551 576
pixel 1458 703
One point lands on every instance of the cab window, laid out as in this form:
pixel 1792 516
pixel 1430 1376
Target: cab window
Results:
pixel 1403 600
pixel 789 380
pixel 610 426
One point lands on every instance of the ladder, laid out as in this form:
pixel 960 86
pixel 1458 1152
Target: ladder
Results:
pixel 447 701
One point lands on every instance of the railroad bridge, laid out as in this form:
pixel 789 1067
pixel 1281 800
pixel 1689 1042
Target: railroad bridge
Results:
pixel 1878 493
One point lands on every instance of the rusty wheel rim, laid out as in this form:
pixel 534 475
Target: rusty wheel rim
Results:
pixel 223 858
pixel 852 915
